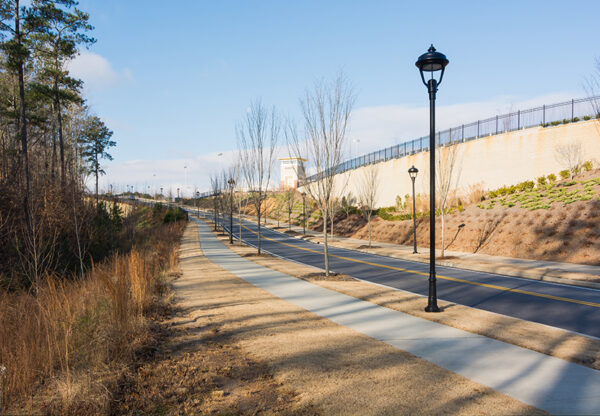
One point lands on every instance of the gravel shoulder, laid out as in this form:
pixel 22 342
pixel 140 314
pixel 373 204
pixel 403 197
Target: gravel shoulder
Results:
pixel 320 367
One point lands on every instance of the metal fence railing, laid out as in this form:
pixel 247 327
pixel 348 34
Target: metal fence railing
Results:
pixel 545 116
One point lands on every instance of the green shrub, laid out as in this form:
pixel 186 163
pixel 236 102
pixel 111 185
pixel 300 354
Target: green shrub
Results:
pixel 460 207
pixel 575 119
pixel 541 181
pixel 555 123
pixel 174 215
pixel 552 178
pixel 587 166
pixel 564 174
pixel 492 194
pixel 566 121
pixel 587 118
pixel 525 186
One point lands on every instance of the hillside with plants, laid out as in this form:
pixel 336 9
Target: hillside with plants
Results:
pixel 554 217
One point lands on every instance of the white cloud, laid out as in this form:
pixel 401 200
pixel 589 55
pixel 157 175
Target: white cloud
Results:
pixel 96 71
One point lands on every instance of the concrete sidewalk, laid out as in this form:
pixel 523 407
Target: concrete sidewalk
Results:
pixel 548 383
pixel 549 271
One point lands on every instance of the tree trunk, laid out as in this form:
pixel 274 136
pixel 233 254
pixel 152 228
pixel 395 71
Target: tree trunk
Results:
pixel 442 218
pixel 258 223
pixel 369 221
pixel 97 168
pixel 290 220
pixel 23 120
pixel 215 209
pixel 61 143
pixel 325 247
pixel 332 220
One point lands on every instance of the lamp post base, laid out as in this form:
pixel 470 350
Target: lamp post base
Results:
pixel 432 308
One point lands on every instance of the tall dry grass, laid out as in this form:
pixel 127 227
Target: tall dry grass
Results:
pixel 62 342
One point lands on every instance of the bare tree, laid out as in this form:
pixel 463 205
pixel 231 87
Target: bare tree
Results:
pixel 279 201
pixel 348 202
pixel 326 108
pixel 447 176
pixel 592 87
pixel 215 185
pixel 570 155
pixel 368 187
pixel 257 138
pixel 290 198
pixel 334 206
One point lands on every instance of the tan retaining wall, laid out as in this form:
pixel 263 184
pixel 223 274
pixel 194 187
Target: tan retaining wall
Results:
pixel 493 161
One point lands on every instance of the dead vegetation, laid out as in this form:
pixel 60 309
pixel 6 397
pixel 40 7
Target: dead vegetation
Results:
pixel 65 343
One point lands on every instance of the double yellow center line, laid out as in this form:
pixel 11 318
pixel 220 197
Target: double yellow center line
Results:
pixel 452 279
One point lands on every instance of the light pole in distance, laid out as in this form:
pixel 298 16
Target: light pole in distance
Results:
pixel 231 183
pixel 412 172
pixel 432 62
pixel 198 202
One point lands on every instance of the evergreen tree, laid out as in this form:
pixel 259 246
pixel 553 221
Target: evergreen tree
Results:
pixel 60 28
pixel 97 141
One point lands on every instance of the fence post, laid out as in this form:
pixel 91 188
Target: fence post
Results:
pixel 478 129
pixel 519 120
pixel 544 114
pixel 572 109
pixel 463 132
pixel 496 124
pixel 449 135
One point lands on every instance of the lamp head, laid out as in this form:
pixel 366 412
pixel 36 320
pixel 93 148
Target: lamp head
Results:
pixel 412 172
pixel 432 61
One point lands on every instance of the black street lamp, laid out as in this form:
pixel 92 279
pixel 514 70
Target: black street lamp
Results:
pixel 231 182
pixel 198 202
pixel 432 62
pixel 412 172
pixel 304 213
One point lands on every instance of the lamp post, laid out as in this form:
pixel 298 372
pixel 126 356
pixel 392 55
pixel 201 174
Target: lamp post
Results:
pixel 198 202
pixel 412 172
pixel 231 182
pixel 303 212
pixel 432 62
pixel 177 201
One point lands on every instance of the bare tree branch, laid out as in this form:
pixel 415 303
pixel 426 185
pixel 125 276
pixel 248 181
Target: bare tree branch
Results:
pixel 257 139
pixel 326 109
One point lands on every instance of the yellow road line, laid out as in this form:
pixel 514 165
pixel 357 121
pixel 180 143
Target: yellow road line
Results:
pixel 453 279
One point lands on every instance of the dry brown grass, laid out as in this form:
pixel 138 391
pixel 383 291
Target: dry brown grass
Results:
pixel 63 343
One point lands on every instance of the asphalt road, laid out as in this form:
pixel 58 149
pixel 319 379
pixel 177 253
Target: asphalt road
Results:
pixel 572 308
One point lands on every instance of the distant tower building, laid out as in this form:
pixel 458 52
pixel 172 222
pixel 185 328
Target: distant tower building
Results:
pixel 292 172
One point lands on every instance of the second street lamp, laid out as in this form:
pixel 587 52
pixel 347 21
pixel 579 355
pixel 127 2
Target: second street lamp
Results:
pixel 412 172
pixel 231 182
pixel 432 62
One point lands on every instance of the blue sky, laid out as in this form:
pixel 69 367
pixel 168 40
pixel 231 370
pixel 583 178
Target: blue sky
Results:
pixel 173 78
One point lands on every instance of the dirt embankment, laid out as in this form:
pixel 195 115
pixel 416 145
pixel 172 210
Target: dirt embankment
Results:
pixel 561 233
